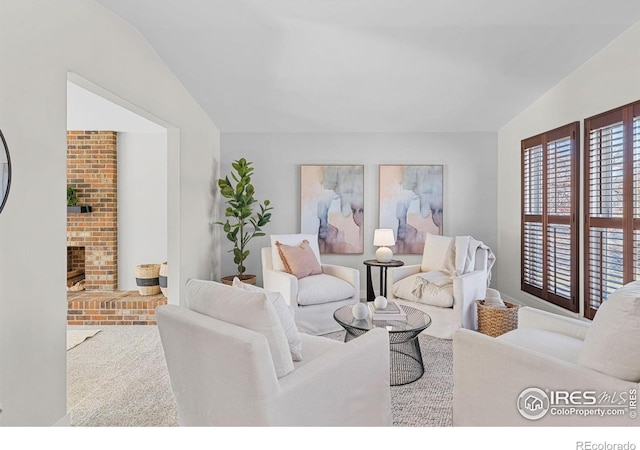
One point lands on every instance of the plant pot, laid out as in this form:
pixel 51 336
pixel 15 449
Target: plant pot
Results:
pixel 249 279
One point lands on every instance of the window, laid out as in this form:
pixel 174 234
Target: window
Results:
pixel 549 209
pixel 612 203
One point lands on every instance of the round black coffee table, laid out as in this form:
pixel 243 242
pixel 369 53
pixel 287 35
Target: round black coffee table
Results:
pixel 406 357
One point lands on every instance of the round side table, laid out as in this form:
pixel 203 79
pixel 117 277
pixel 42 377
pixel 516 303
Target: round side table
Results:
pixel 383 276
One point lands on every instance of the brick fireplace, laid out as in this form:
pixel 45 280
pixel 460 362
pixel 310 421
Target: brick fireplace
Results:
pixel 92 170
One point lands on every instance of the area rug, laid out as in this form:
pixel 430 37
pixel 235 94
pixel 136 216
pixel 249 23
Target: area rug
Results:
pixel 119 378
pixel 77 337
pixel 426 402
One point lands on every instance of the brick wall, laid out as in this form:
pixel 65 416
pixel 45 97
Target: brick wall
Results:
pixel 92 169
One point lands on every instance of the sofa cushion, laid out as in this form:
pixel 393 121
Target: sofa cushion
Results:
pixel 611 344
pixel 428 288
pixel 285 314
pixel 251 310
pixel 558 345
pixel 439 253
pixel 291 239
pixel 299 260
pixel 323 288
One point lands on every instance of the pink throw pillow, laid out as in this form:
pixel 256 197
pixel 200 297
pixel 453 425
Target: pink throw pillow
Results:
pixel 299 260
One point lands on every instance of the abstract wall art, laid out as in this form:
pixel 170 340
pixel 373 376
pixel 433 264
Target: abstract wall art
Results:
pixel 411 198
pixel 332 206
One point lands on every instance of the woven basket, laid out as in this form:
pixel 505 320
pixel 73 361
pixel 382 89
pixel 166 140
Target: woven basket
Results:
pixel 494 321
pixel 163 278
pixel 147 279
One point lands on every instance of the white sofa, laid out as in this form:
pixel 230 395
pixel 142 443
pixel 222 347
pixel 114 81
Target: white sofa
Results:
pixel 494 377
pixel 230 364
pixel 469 261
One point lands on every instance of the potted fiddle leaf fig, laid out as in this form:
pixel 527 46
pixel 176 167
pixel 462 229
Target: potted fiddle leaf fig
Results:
pixel 245 216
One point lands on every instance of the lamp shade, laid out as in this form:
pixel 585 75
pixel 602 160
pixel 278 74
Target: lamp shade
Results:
pixel 383 237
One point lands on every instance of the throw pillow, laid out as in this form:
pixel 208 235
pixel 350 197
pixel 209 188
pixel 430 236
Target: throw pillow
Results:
pixel 250 310
pixel 439 254
pixel 291 239
pixel 299 260
pixel 285 314
pixel 611 344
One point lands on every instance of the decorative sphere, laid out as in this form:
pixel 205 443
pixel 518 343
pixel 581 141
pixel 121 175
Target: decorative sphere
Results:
pixel 380 302
pixel 360 311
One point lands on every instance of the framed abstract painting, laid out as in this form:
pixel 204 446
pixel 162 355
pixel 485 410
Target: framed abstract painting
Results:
pixel 411 198
pixel 332 206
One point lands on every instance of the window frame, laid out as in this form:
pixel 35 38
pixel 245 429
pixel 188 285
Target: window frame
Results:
pixel 571 131
pixel 626 223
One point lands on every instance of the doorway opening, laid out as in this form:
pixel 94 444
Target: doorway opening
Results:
pixel 117 170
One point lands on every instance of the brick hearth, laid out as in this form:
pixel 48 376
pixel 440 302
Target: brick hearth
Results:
pixel 112 308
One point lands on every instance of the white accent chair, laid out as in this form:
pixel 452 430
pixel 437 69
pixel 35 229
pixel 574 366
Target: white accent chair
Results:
pixel 459 269
pixel 313 298
pixel 230 365
pixel 552 353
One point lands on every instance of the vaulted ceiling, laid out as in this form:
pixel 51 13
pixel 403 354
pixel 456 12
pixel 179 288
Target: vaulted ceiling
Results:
pixel 373 65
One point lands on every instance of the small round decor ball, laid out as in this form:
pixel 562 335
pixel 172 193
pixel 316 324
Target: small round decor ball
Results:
pixel 380 302
pixel 360 311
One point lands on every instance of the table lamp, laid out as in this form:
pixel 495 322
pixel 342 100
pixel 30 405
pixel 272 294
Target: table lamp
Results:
pixel 383 238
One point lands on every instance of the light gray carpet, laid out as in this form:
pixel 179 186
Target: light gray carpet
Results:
pixel 119 378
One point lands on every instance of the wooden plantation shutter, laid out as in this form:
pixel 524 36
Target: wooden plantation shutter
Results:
pixel 549 208
pixel 612 203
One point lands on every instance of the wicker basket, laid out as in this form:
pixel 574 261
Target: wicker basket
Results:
pixel 147 279
pixel 163 278
pixel 494 321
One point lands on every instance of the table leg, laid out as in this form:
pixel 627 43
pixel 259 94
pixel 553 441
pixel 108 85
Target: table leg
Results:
pixel 370 293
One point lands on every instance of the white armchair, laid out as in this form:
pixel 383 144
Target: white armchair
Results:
pixel 552 370
pixel 314 298
pixel 454 272
pixel 229 365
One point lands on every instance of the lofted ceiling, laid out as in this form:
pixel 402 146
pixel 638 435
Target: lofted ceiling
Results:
pixel 372 65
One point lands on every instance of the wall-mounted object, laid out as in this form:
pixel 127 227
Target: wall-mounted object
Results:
pixel 79 209
pixel 5 172
pixel 411 204
pixel 332 206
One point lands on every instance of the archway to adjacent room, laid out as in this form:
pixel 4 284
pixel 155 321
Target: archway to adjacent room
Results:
pixel 117 162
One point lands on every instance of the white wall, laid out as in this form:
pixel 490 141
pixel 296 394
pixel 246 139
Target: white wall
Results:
pixel 40 43
pixel 469 161
pixel 142 203
pixel 609 79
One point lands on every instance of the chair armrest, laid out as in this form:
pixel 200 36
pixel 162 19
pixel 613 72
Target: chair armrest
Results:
pixel 489 375
pixel 285 283
pixel 346 386
pixel 467 288
pixel 543 320
pixel 348 274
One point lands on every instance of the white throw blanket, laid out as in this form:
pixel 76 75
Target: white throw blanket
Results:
pixel 473 246
pixel 430 283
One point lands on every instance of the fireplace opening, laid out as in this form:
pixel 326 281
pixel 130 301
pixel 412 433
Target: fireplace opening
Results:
pixel 75 268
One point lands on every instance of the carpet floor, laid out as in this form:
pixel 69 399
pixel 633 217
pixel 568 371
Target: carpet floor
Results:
pixel 119 378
